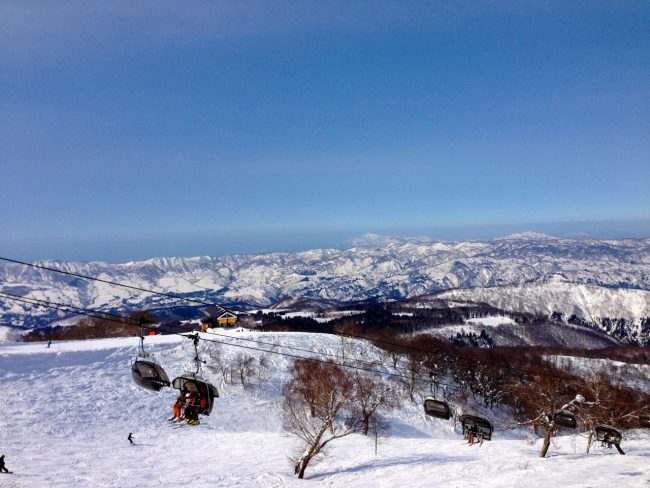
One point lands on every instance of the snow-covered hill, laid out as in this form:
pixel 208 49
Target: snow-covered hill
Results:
pixel 621 313
pixel 503 331
pixel 387 268
pixel 67 411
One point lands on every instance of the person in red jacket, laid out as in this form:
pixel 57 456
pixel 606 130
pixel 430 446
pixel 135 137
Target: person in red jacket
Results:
pixel 192 407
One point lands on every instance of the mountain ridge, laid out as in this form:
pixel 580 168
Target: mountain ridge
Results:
pixel 390 271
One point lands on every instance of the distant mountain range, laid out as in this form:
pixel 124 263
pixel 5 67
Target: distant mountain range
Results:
pixel 529 272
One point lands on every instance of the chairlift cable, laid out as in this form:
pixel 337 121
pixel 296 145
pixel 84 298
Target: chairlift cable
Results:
pixel 131 322
pixel 115 283
pixel 125 321
pixel 178 297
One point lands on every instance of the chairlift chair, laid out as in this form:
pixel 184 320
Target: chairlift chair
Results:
pixel 609 436
pixel 148 374
pixel 565 418
pixel 195 383
pixel 145 370
pixel 205 390
pixel 476 426
pixel 437 408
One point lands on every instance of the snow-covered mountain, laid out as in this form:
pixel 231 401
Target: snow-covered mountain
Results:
pixel 621 313
pixel 388 269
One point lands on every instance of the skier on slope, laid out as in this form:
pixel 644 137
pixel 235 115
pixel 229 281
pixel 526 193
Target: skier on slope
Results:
pixel 130 438
pixel 2 465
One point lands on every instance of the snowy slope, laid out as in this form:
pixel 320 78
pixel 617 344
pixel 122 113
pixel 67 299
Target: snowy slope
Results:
pixel 600 307
pixel 504 332
pixel 633 375
pixel 67 411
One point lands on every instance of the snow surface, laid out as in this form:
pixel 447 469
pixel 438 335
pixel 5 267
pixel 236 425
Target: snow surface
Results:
pixel 474 325
pixel 67 411
pixel 492 321
pixel 321 317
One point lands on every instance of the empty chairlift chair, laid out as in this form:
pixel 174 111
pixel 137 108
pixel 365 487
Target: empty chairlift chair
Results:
pixel 148 374
pixel 476 429
pixel 437 408
pixel 609 436
pixel 145 370
pixel 565 418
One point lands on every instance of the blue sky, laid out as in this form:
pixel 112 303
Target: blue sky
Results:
pixel 133 129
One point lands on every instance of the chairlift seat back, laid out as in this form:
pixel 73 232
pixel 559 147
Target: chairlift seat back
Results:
pixel 437 408
pixel 476 425
pixel 148 374
pixel 565 418
pixel 608 434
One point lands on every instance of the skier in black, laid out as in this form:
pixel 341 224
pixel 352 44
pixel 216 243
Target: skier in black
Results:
pixel 2 465
pixel 130 438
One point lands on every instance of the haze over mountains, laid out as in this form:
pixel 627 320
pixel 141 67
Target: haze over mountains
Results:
pixel 526 272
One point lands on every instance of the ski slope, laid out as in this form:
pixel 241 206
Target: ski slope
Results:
pixel 67 411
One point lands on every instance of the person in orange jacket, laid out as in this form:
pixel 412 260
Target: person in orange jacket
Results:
pixel 177 409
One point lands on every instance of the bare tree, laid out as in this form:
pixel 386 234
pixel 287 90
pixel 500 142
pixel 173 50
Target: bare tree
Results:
pixel 218 360
pixel 344 346
pixel 317 403
pixel 244 365
pixel 378 427
pixel 609 403
pixel 488 382
pixel 263 368
pixel 541 397
pixel 305 377
pixel 370 395
pixel 414 368
pixel 393 356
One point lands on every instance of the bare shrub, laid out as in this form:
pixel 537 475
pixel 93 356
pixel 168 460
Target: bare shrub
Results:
pixel 317 403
